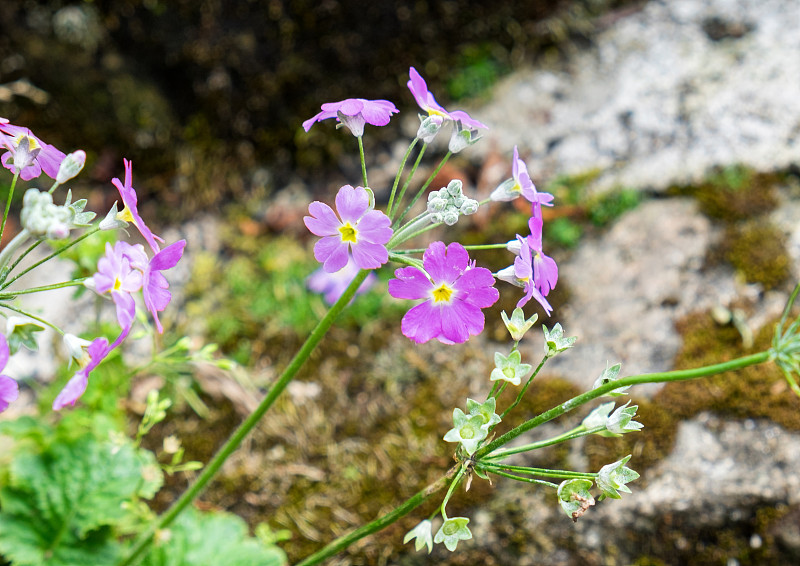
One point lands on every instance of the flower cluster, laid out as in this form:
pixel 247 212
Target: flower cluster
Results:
pixel 124 271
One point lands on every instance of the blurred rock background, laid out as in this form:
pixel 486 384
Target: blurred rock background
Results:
pixel 668 131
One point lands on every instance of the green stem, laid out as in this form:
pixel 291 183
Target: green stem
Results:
pixel 8 204
pixel 475 247
pixel 32 316
pixel 52 287
pixel 577 401
pixel 422 189
pixel 450 491
pixel 336 546
pixel 249 423
pixel 51 256
pixel 408 181
pixel 397 178
pixel 523 479
pixel 576 432
pixel 363 161
pixel 561 474
pixel 524 389
pixel 12 246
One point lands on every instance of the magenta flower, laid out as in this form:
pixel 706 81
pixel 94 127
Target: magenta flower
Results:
pixel 524 275
pixel 545 270
pixel 521 183
pixel 454 290
pixel 131 213
pixel 354 113
pixel 357 227
pixel 426 101
pixel 119 273
pixel 9 390
pixel 155 285
pixel 76 386
pixel 38 157
pixel 332 285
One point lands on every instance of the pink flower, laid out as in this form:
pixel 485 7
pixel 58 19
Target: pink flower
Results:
pixel 354 113
pixel 545 270
pixel 332 285
pixel 155 285
pixel 9 390
pixel 119 273
pixel 521 184
pixel 130 213
pixel 38 156
pixel 357 227
pixel 524 275
pixel 454 290
pixel 426 101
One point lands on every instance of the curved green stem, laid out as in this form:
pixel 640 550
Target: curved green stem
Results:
pixel 422 189
pixel 363 161
pixel 405 185
pixel 522 479
pixel 8 204
pixel 32 316
pixel 51 256
pixel 409 505
pixel 52 287
pixel 211 469
pixel 661 377
pixel 560 474
pixel 576 432
pixel 525 388
pixel 399 173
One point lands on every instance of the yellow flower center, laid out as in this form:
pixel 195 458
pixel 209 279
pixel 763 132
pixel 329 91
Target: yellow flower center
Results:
pixel 117 284
pixel 442 293
pixel 349 234
pixel 32 143
pixel 125 215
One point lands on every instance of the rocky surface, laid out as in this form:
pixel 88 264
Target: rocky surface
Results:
pixel 665 94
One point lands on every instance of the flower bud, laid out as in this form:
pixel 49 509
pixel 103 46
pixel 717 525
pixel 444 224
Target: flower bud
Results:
pixel 71 166
pixel 429 127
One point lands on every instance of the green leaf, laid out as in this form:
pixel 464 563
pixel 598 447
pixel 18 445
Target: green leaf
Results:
pixel 60 504
pixel 211 539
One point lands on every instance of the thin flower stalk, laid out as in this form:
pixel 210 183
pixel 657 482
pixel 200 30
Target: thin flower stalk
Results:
pixel 577 432
pixel 522 391
pixel 544 472
pixel 408 180
pixel 8 205
pixel 660 377
pixel 400 170
pixel 423 188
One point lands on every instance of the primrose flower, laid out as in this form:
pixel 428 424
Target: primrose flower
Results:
pixel 354 113
pixel 522 275
pixel 455 292
pixel 425 99
pixel 545 270
pixel 28 153
pixel 332 285
pixel 452 531
pixel 119 273
pixel 131 213
pixel 76 386
pixel 357 227
pixel 155 285
pixel 520 183
pixel 510 369
pixel 9 390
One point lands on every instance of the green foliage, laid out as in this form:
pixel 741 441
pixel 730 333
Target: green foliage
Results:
pixel 477 70
pixel 563 232
pixel 64 492
pixel 758 251
pixel 735 193
pixel 211 539
pixel 609 206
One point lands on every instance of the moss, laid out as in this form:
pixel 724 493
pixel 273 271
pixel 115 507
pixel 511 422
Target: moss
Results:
pixel 753 392
pixel 735 193
pixel 758 251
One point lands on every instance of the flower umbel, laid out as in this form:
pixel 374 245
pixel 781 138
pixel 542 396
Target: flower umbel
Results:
pixel 454 290
pixel 357 227
pixel 354 113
